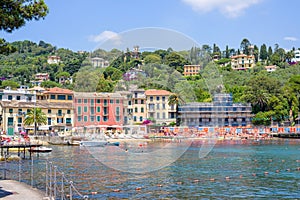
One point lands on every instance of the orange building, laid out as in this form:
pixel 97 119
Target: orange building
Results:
pixel 190 70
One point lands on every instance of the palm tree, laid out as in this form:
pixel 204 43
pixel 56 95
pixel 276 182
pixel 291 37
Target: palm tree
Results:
pixel 35 116
pixel 176 100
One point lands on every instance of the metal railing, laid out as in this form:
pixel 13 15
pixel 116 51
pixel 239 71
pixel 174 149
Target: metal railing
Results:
pixel 56 185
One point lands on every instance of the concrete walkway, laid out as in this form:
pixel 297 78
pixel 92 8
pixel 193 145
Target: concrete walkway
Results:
pixel 14 190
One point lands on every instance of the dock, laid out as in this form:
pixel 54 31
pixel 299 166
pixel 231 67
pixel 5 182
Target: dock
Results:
pixel 14 190
pixel 19 148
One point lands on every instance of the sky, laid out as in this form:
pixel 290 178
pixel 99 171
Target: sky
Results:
pixel 86 25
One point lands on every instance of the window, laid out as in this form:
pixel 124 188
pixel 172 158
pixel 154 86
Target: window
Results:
pixel 20 110
pixel 70 97
pixel 1 97
pixel 9 97
pixel 79 118
pixel 68 112
pixel 79 110
pixel 141 118
pixel 85 118
pixel 117 101
pixel 142 101
pixel 92 110
pixel 117 118
pixel 78 100
pixel 59 112
pixel 105 118
pixel 135 101
pixel 98 100
pixel 105 102
pixel 164 116
pixel 92 118
pixel 157 115
pixel 18 98
pixel 163 98
pixel 136 109
pixel 85 101
pixel 68 120
pixel 151 98
pixel 60 120
pixel 164 106
pixel 98 108
pixel 111 101
pixel 49 121
pixel 11 110
pixel 19 120
pixel 142 109
pixel 129 103
pixel 134 118
pixel 92 102
pixel 98 118
pixel 61 97
pixel 117 111
pixel 85 109
pixel 52 96
pixel 157 98
pixel 10 121
pixel 157 106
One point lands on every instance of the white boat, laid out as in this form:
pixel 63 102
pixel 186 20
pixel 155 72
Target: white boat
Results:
pixel 98 143
pixel 40 149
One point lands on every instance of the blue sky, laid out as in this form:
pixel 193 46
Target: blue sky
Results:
pixel 81 25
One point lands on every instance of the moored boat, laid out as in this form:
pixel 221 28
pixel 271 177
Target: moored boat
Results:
pixel 40 149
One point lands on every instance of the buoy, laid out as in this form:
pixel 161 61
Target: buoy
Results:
pixel 227 177
pixel 179 183
pixel 270 160
pixel 159 185
pixel 116 190
pixel 277 171
pixel 138 188
pixel 253 174
pixel 196 180
pixel 283 161
pixel 266 173
pixel 288 170
pixel 94 193
pixel 298 168
pixel 241 176
pixel 212 179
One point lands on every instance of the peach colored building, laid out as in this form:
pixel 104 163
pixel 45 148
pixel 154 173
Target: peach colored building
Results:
pixel 190 70
pixel 242 62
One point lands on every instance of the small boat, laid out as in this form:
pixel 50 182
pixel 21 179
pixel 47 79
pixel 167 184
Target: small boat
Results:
pixel 100 143
pixel 41 149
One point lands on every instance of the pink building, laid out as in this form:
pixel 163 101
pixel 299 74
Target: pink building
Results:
pixel 94 109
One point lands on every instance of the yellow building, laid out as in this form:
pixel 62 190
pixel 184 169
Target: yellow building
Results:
pixel 242 62
pixel 190 70
pixel 158 107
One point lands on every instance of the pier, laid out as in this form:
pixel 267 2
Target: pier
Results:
pixel 19 148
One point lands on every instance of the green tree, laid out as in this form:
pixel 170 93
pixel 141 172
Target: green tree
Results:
pixel 263 54
pixel 152 58
pixel 36 117
pixel 175 100
pixel 14 14
pixel 176 61
pixel 245 46
pixel 270 52
pixel 10 83
pixel 50 84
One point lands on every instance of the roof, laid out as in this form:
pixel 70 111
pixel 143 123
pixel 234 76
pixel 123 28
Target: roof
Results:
pixel 38 104
pixel 89 95
pixel 157 92
pixel 271 67
pixel 242 55
pixel 57 90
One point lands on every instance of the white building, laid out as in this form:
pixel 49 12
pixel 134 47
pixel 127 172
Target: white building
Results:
pixel 296 57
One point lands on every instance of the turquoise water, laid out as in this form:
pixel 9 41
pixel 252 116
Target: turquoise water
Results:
pixel 232 170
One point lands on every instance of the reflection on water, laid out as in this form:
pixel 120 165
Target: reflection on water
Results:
pixel 233 169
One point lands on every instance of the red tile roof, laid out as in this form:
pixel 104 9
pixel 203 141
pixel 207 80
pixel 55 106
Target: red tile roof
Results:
pixel 57 90
pixel 157 92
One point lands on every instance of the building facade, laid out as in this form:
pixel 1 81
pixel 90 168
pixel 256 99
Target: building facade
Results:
pixel 158 107
pixel 94 109
pixel 221 112
pixel 242 62
pixel 191 70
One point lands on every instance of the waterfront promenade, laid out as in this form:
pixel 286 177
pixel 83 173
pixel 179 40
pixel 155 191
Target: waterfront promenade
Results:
pixel 14 190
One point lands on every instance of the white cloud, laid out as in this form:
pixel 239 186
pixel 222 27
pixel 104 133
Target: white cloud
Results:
pixel 230 8
pixel 290 38
pixel 104 36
